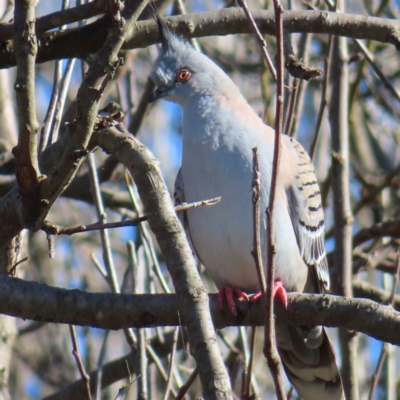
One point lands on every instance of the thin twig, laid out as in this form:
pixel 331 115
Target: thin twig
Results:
pixel 141 362
pixel 324 100
pixel 370 59
pixel 45 131
pixel 123 391
pixel 148 245
pixel 171 364
pixel 304 46
pixel 75 352
pixel 99 372
pixel 14 267
pixel 142 108
pixel 376 190
pixel 105 239
pixel 292 103
pixel 183 389
pixel 99 267
pixel 159 366
pixel 377 373
pixel 256 252
pixel 64 85
pixel 384 351
pixel 270 350
pixel 52 229
pixel 48 121
pixel 259 37
pixel 250 363
pixel 379 230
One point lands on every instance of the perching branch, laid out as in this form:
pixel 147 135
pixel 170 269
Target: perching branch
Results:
pixel 40 302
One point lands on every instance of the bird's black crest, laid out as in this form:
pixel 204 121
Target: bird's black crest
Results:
pixel 167 36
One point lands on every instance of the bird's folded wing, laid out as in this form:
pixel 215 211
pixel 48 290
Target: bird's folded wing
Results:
pixel 307 217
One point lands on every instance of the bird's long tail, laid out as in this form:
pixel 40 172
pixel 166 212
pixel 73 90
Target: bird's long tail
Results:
pixel 309 362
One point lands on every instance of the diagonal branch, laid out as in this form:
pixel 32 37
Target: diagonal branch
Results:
pixel 193 300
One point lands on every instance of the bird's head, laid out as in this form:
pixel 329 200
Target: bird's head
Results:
pixel 181 72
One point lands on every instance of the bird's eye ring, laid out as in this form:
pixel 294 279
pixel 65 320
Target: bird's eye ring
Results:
pixel 183 75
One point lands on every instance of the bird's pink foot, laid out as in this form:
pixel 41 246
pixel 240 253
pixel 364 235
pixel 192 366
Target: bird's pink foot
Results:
pixel 227 293
pixel 278 290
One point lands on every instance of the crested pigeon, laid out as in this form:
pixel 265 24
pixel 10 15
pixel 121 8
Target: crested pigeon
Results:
pixel 219 131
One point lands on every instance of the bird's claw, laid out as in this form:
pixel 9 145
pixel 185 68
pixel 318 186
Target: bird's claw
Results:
pixel 278 290
pixel 227 292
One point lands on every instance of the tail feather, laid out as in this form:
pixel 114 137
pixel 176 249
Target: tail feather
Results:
pixel 312 370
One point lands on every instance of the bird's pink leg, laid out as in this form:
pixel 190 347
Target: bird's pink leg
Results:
pixel 227 293
pixel 278 290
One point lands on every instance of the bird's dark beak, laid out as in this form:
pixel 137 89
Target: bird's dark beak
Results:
pixel 161 91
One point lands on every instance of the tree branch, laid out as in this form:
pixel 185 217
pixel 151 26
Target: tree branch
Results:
pixel 270 348
pixel 78 42
pixel 193 300
pixel 25 42
pixel 381 229
pixel 40 302
pixel 341 273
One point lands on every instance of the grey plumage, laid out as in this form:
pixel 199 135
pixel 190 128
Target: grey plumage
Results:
pixel 219 131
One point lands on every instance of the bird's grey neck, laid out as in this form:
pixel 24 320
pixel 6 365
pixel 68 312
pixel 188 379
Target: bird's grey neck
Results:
pixel 200 111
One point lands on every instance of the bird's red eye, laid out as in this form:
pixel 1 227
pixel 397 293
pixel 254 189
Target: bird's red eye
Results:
pixel 184 75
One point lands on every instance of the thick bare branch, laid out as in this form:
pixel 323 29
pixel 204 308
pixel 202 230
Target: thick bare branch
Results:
pixel 25 42
pixel 40 302
pixel 79 42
